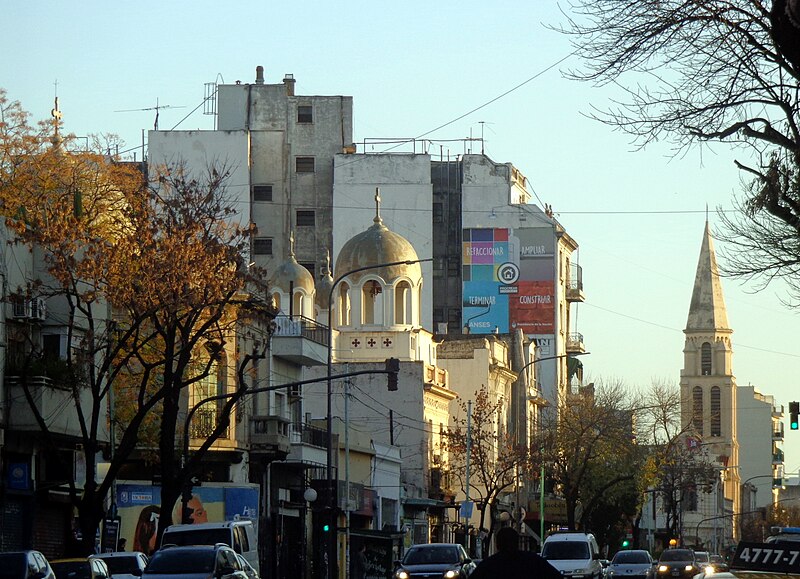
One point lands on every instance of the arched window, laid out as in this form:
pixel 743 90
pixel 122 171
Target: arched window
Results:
pixel 276 299
pixel 716 412
pixel 343 315
pixel 697 409
pixel 705 359
pixel 297 304
pixel 402 303
pixel 372 303
pixel 214 367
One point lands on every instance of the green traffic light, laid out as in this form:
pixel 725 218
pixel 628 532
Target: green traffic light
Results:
pixel 326 528
pixel 793 425
pixel 625 543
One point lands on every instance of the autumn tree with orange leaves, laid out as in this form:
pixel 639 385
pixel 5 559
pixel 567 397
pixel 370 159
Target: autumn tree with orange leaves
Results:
pixel 144 276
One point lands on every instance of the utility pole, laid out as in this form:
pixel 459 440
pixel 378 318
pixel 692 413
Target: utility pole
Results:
pixel 466 491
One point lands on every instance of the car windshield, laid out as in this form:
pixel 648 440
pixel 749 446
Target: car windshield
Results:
pixel 628 557
pixel 72 569
pixel 431 555
pixel 120 565
pixel 701 557
pixel 677 555
pixel 197 537
pixel 12 566
pixel 560 550
pixel 182 561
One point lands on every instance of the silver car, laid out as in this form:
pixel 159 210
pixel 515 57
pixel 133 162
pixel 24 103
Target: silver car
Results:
pixel 631 564
pixel 124 564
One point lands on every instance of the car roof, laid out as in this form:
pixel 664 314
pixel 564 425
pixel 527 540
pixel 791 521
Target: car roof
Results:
pixel 568 537
pixel 116 554
pixel 435 545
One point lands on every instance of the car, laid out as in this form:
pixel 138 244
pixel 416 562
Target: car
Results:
pixel 25 565
pixel 240 535
pixel 604 563
pixel 677 563
pixel 194 562
pixel 784 535
pixel 718 564
pixel 575 554
pixel 445 560
pixel 631 564
pixel 80 568
pixel 247 567
pixel 124 564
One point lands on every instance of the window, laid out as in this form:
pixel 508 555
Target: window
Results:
pixel 305 114
pixel 262 192
pixel 402 303
pixel 716 412
pixel 705 359
pixel 305 218
pixel 697 409
pixel 304 164
pixel 262 246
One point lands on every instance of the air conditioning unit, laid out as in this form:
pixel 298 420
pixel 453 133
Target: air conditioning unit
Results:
pixel 37 309
pixel 32 309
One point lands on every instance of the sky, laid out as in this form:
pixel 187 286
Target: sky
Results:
pixel 445 70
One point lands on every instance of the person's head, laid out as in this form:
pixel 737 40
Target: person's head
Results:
pixel 144 539
pixel 507 540
pixel 199 513
pixel 121 544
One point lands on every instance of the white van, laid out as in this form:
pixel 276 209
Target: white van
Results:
pixel 240 535
pixel 576 555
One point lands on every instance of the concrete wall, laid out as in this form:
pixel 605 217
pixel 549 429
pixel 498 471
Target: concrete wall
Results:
pixel 406 201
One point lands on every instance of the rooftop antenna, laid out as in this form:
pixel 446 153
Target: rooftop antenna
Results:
pixel 156 108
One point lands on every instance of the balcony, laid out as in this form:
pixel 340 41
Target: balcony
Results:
pixel 575 343
pixel 204 421
pixel 575 284
pixel 300 340
pixel 55 403
pixel 777 457
pixel 439 488
pixel 309 444
pixel 777 431
pixel 269 436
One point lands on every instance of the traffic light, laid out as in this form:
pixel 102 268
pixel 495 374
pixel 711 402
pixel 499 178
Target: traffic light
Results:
pixel 625 543
pixel 392 368
pixel 794 408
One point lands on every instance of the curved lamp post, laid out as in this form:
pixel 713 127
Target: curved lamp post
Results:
pixel 331 551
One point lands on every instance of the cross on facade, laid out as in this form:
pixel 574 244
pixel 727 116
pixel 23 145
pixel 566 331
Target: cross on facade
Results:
pixel 371 342
pixel 387 342
pixel 356 343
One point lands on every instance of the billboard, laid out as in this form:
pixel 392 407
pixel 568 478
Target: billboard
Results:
pixel 139 509
pixel 508 280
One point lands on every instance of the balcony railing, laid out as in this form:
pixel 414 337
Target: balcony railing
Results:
pixel 204 421
pixel 269 435
pixel 301 326
pixel 575 343
pixel 306 434
pixel 575 283
pixel 777 432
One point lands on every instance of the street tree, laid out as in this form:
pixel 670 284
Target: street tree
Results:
pixel 143 277
pixel 590 453
pixel 497 462
pixel 693 72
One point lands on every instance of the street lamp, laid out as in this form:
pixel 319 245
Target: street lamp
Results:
pixel 541 473
pixel 331 551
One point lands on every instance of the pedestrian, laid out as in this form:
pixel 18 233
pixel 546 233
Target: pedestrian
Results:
pixel 511 563
pixel 358 563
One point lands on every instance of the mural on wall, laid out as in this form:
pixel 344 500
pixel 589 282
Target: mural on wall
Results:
pixel 139 510
pixel 509 280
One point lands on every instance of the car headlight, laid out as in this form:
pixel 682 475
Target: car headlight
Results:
pixel 663 568
pixel 709 570
pixel 451 574
pixel 689 568
pixel 580 571
pixel 401 574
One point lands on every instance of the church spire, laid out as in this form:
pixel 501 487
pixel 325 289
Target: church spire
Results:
pixel 707 310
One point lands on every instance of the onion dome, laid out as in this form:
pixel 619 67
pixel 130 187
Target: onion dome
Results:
pixel 291 274
pixel 324 285
pixel 378 245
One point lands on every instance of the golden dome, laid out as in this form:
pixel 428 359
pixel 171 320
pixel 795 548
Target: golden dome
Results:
pixel 291 274
pixel 378 245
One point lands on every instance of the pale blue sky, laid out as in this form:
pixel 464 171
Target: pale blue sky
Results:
pixel 412 67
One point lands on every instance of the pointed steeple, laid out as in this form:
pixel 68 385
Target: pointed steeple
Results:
pixel 707 310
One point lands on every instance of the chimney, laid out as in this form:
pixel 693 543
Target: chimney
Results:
pixel 288 80
pixel 259 74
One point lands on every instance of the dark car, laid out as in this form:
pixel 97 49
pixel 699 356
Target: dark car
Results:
pixel 677 563
pixel 441 560
pixel 632 564
pixel 25 565
pixel 194 562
